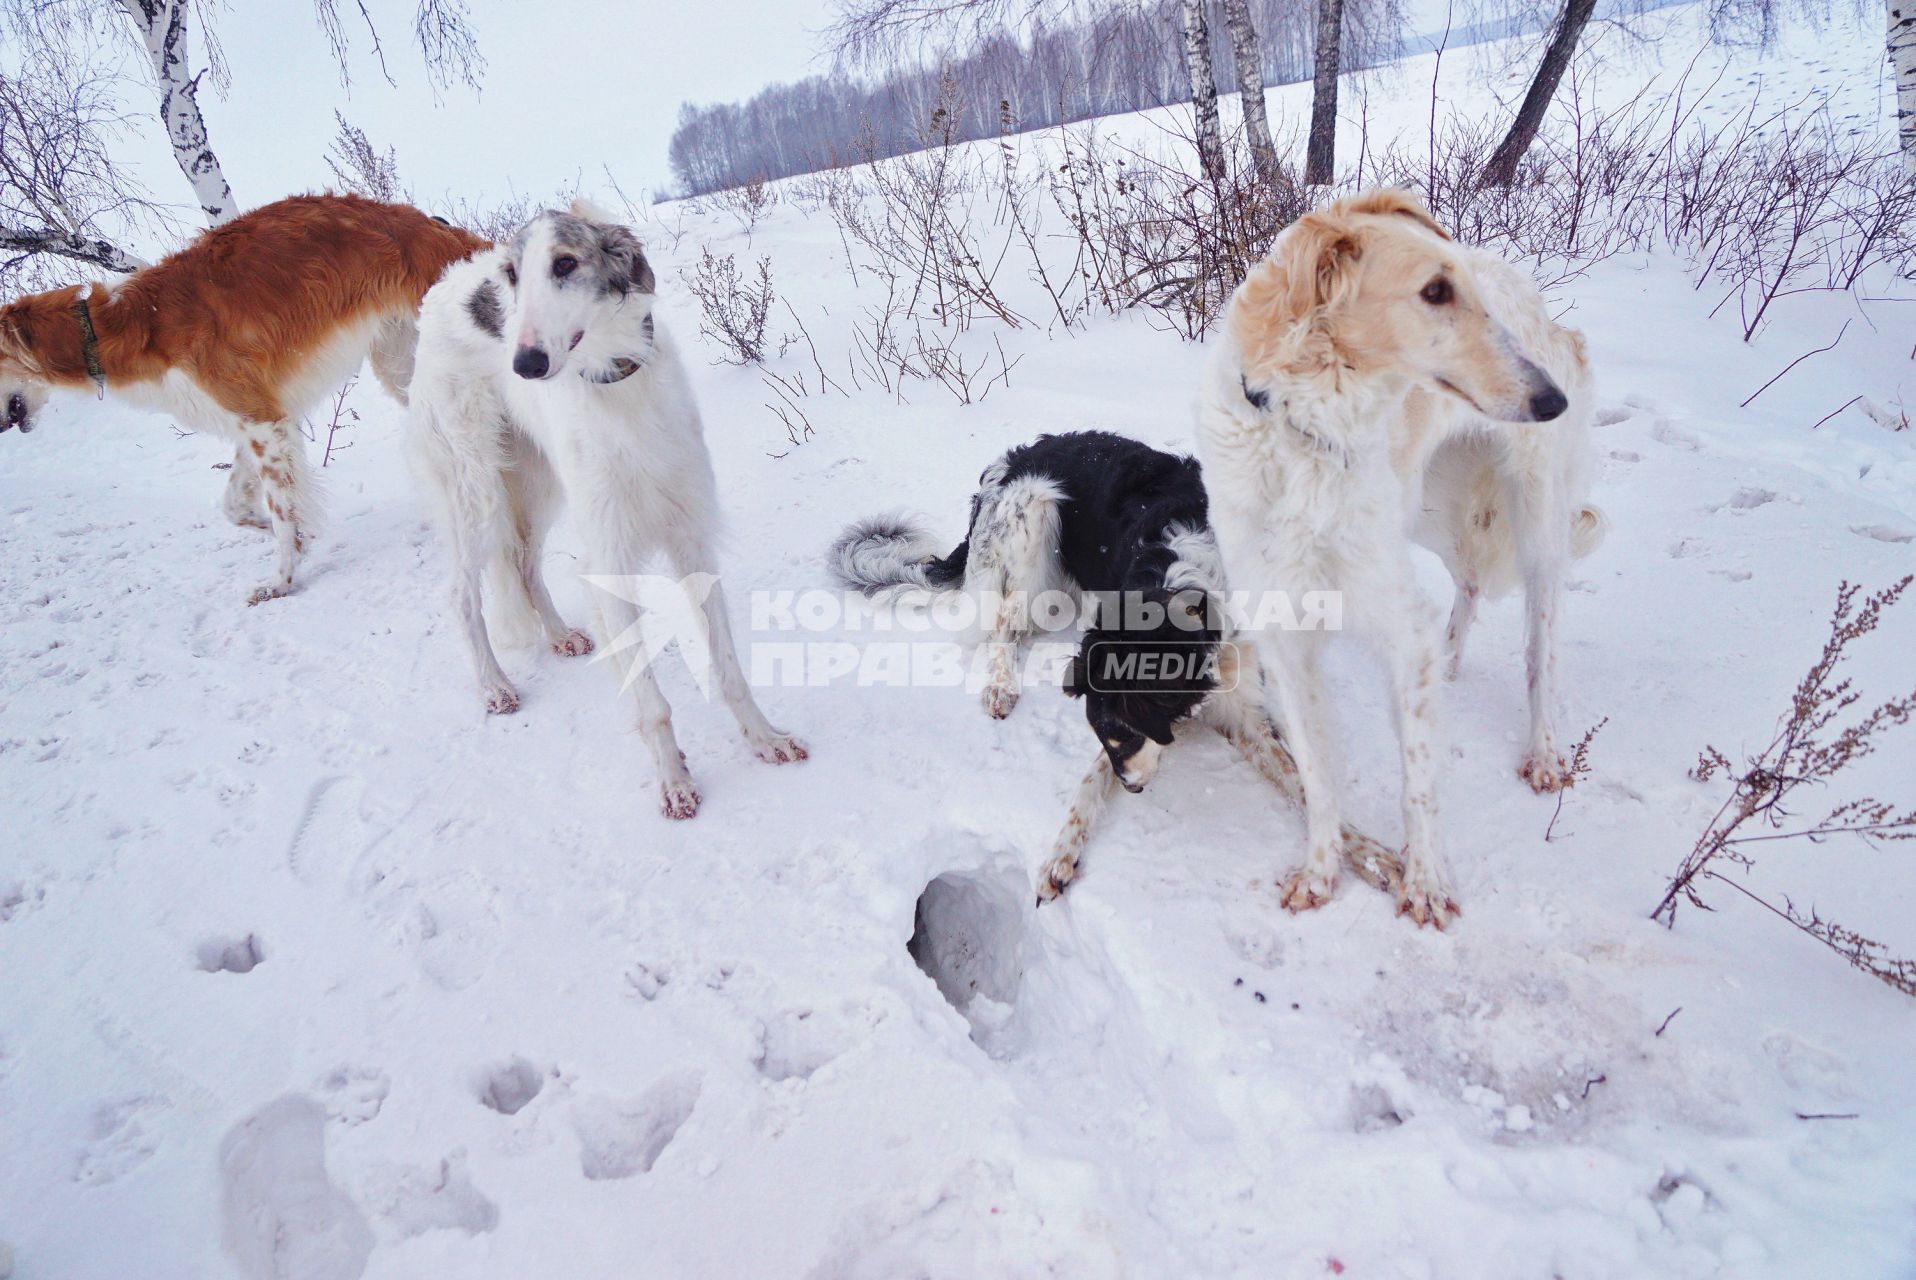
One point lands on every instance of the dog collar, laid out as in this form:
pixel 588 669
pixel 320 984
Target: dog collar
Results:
pixel 1261 401
pixel 623 367
pixel 89 343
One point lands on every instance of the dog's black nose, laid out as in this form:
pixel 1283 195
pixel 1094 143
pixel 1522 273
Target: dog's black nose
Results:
pixel 1135 788
pixel 1546 405
pixel 531 362
pixel 16 411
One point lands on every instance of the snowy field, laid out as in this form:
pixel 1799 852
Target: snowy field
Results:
pixel 291 930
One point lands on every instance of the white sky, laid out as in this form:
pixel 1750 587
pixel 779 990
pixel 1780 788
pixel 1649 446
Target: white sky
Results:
pixel 571 87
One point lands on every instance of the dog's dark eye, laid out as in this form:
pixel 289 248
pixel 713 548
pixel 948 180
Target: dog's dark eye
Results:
pixel 1438 292
pixel 512 275
pixel 564 265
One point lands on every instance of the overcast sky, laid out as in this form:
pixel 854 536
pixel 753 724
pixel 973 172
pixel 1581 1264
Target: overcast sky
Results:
pixel 570 87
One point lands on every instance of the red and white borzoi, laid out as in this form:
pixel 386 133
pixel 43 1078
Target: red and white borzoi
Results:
pixel 242 332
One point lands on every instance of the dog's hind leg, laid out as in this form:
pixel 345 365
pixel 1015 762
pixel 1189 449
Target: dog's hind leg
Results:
pixel 522 606
pixel 241 500
pixel 774 746
pixel 1067 851
pixel 1013 559
pixel 1463 612
pixel 391 354
pixel 287 493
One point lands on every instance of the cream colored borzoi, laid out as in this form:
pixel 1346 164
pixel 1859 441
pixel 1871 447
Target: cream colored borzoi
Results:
pixel 1377 382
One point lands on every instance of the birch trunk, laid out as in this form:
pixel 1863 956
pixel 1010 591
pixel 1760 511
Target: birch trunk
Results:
pixel 1320 154
pixel 1501 171
pixel 1249 54
pixel 162 28
pixel 1902 62
pixel 68 244
pixel 1197 65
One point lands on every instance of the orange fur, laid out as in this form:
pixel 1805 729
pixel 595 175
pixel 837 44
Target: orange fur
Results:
pixel 242 308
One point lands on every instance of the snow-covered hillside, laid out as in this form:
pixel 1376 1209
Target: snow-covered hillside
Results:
pixel 309 968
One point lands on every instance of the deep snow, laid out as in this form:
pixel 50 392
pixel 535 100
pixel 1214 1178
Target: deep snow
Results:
pixel 307 963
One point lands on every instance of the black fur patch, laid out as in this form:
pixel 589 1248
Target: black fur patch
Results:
pixel 483 306
pixel 1258 399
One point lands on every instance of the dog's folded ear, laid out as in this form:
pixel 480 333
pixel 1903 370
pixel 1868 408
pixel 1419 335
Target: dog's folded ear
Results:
pixel 1075 685
pixel 590 211
pixel 1390 201
pixel 622 249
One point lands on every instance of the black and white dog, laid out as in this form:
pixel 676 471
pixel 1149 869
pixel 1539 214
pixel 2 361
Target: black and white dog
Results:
pixel 1124 526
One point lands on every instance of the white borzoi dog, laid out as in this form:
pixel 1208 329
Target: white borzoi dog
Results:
pixel 542 374
pixel 1367 351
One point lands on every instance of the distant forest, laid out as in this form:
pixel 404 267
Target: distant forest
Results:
pixel 1127 58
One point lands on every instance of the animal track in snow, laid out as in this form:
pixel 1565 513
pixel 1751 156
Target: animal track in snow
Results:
pixel 1883 533
pixel 618 1139
pixel 1747 499
pixel 354 1095
pixel 122 1136
pixel 508 1086
pixel 284 1219
pixel 413 1200
pixel 795 1043
pixel 230 955
pixel 1675 437
pixel 451 929
pixel 18 898
pixel 333 834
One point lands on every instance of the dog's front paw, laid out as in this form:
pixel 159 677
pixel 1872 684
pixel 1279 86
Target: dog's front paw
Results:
pixel 778 748
pixel 1545 771
pixel 678 799
pixel 573 644
pixel 999 699
pixel 1056 877
pixel 268 591
pixel 1426 901
pixel 501 699
pixel 1306 890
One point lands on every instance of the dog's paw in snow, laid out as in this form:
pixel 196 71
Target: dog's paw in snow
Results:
pixel 678 799
pixel 1545 772
pixel 1426 901
pixel 1056 877
pixel 999 699
pixel 778 748
pixel 501 699
pixel 268 591
pixel 573 644
pixel 1306 890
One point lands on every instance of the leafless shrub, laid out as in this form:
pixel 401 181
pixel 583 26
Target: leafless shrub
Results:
pixel 1578 770
pixel 343 418
pixel 746 203
pixel 732 309
pixel 1809 748
pixel 361 168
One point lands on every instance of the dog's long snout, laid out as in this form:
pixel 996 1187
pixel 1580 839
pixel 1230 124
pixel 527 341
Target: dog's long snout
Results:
pixel 1548 403
pixel 531 362
pixel 1135 788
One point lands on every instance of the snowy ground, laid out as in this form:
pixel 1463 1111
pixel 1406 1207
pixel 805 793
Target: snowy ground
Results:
pixel 290 930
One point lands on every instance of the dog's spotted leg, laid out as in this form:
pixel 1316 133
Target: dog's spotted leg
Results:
pixel 281 462
pixel 1425 894
pixel 1463 612
pixel 1294 678
pixel 678 797
pixel 1543 543
pixel 1067 852
pixel 241 500
pixel 1262 745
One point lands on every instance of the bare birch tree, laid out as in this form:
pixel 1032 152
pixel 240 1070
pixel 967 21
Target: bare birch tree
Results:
pixel 1248 53
pixel 1197 65
pixel 1320 152
pixel 1902 62
pixel 1501 169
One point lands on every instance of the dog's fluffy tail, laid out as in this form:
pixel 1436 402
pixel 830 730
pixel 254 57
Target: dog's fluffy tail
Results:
pixel 892 551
